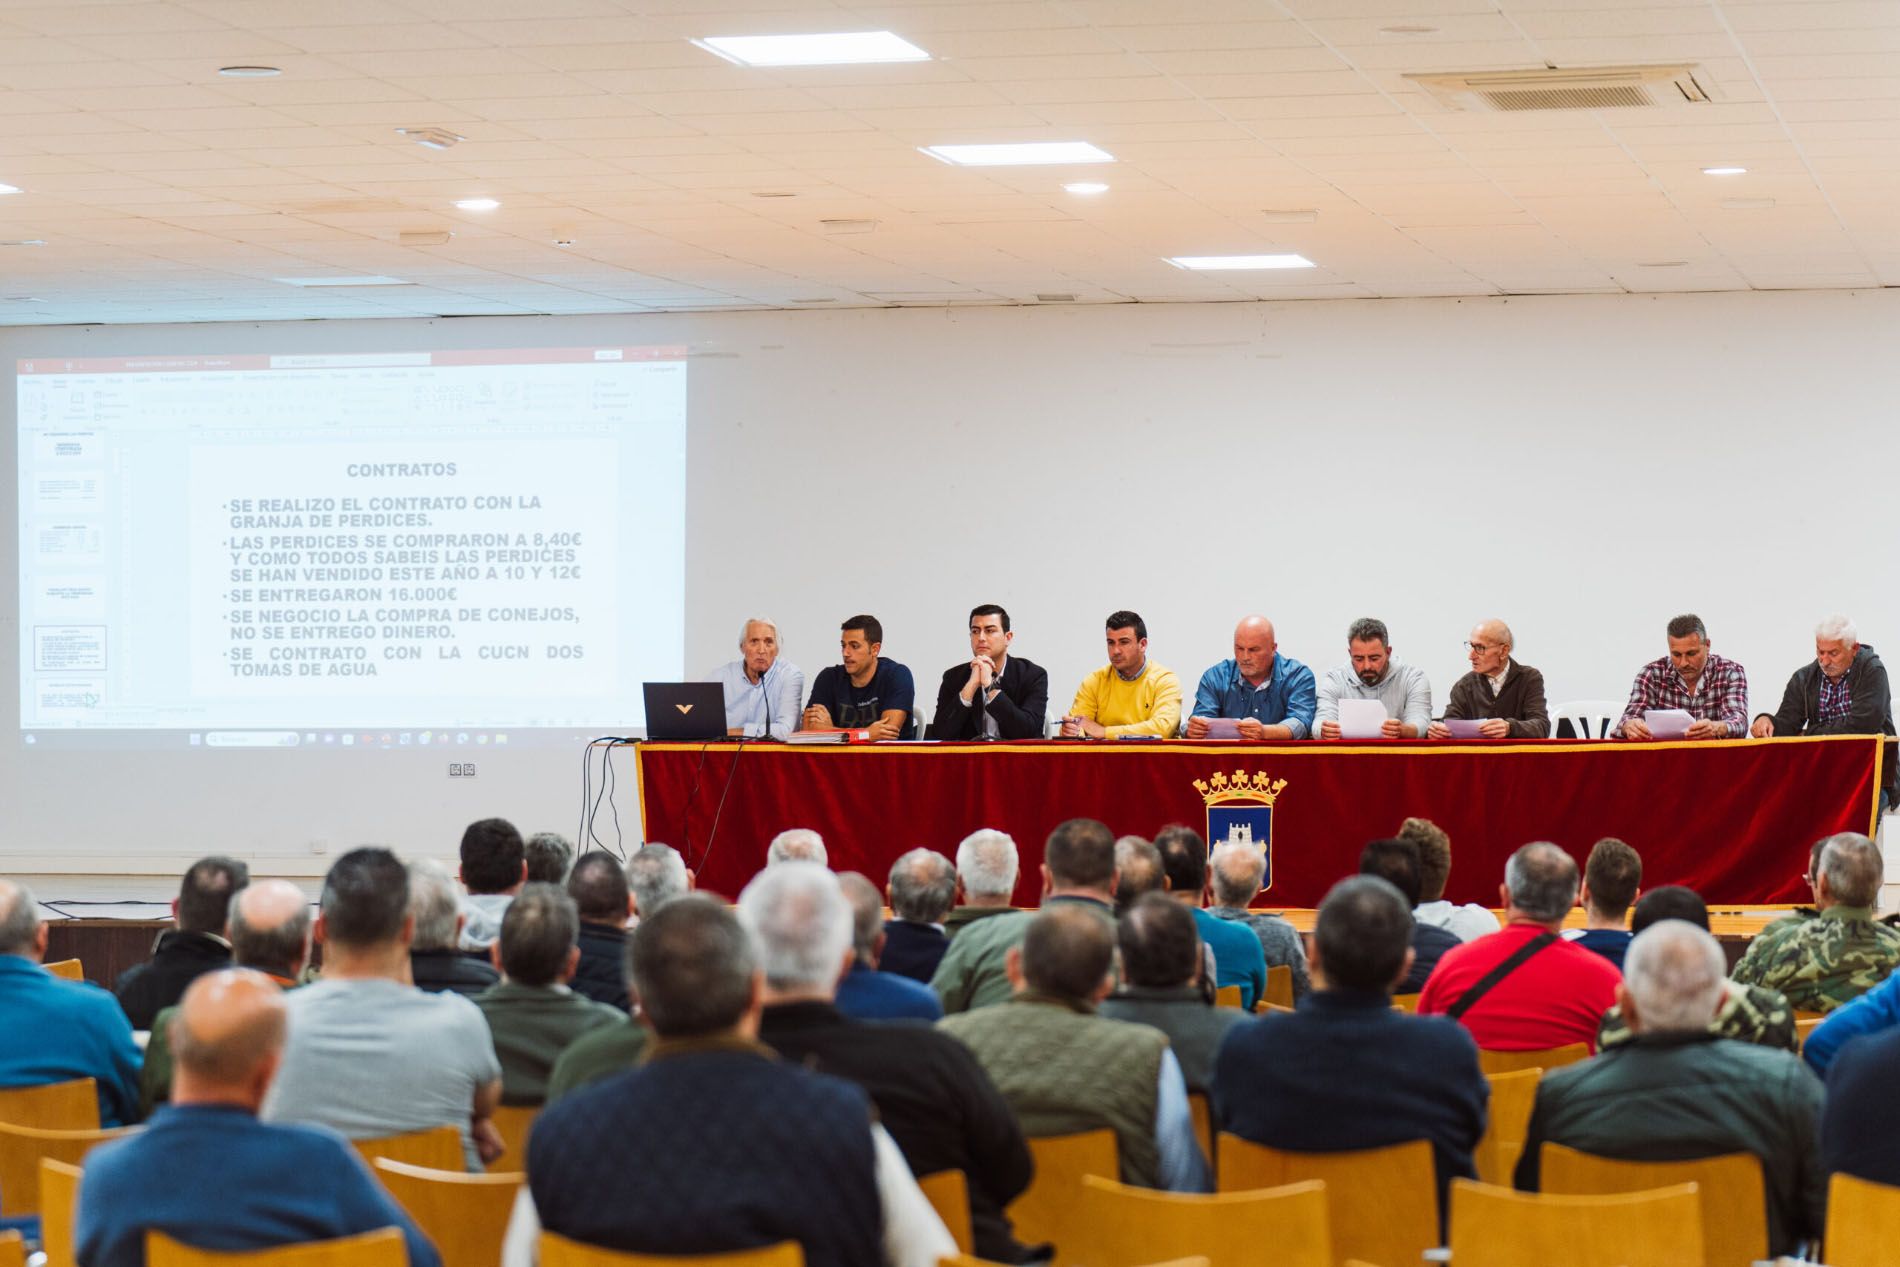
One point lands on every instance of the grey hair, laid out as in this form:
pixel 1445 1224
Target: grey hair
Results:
pixel 757 620
pixel 1542 880
pixel 799 923
pixel 867 912
pixel 797 844
pixel 285 945
pixel 1837 628
pixel 433 902
pixel 657 875
pixel 1504 634
pixel 19 920
pixel 1850 863
pixel 987 864
pixel 1238 871
pixel 1366 629
pixel 923 886
pixel 549 856
pixel 1675 973
pixel 1688 625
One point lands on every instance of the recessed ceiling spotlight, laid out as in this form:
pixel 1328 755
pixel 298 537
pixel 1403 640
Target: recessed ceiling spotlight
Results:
pixel 23 242
pixel 432 138
pixel 1222 263
pixel 1408 29
pixel 476 204
pixel 9 189
pixel 250 72
pixel 1085 187
pixel 1725 171
pixel 843 48
pixel 1021 154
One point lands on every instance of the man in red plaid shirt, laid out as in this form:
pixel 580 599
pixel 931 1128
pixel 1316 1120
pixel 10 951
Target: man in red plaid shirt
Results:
pixel 1709 688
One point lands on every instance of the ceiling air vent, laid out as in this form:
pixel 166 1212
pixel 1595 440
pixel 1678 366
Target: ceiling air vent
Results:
pixel 1583 88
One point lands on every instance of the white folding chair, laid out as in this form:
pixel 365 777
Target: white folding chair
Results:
pixel 1590 718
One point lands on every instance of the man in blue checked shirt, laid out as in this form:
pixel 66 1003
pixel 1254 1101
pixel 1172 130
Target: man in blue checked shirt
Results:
pixel 1268 694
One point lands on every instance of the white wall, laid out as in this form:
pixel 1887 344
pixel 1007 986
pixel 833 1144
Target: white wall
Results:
pixel 1584 466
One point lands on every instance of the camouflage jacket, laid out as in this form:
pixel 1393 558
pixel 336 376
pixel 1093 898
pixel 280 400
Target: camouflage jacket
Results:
pixel 1820 962
pixel 1750 1014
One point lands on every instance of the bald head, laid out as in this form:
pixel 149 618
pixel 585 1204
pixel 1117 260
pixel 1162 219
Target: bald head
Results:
pixel 269 927
pixel 1253 648
pixel 1493 631
pixel 226 1039
pixel 21 932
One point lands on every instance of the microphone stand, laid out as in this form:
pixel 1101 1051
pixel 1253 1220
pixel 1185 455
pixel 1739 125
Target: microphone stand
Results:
pixel 983 709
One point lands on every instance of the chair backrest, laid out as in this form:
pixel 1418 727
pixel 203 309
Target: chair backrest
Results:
pixel 12 1250
pixel 1227 996
pixel 1589 718
pixel 1201 1113
pixel 1406 1002
pixel 1382 1203
pixel 558 1251
pixel 1047 1207
pixel 53 1106
pixel 438 1148
pixel 22 1147
pixel 381 1248
pixel 1803 1026
pixel 1863 1222
pixel 1733 1194
pixel 948 1192
pixel 59 1211
pixel 1512 1097
pixel 512 1123
pixel 1279 986
pixel 66 969
pixel 1548 1058
pixel 466 1216
pixel 1496 1227
pixel 1120 1226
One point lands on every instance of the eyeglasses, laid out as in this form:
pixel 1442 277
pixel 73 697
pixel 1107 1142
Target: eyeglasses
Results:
pixel 1481 648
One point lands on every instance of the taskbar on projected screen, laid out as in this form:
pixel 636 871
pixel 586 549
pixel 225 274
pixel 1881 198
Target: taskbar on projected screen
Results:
pixel 371 739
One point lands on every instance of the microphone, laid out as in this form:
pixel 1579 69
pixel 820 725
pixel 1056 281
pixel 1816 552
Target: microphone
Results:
pixel 768 702
pixel 983 710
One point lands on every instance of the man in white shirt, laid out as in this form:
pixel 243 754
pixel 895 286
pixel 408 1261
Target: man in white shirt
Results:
pixel 763 692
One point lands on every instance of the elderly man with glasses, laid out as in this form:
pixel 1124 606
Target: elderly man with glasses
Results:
pixel 1504 697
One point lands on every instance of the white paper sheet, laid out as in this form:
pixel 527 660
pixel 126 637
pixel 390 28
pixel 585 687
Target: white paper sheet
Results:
pixel 1223 728
pixel 1667 723
pixel 1461 728
pixel 1361 718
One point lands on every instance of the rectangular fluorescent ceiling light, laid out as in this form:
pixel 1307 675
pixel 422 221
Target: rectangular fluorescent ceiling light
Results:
pixel 344 281
pixel 1023 154
pixel 1218 263
pixel 846 48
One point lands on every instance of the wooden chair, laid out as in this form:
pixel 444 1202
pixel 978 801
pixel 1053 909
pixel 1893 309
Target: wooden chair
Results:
pixel 59 1211
pixel 1047 1206
pixel 1407 1003
pixel 1496 1227
pixel 1201 1110
pixel 465 1215
pixel 1863 1222
pixel 949 1194
pixel 1382 1202
pixel 53 1106
pixel 66 969
pixel 1803 1026
pixel 381 1248
pixel 1733 1194
pixel 1120 1226
pixel 1279 986
pixel 513 1122
pixel 558 1251
pixel 1227 996
pixel 1547 1058
pixel 22 1147
pixel 438 1148
pixel 1512 1097
pixel 12 1250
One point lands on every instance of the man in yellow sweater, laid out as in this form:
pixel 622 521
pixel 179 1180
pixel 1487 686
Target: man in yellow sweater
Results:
pixel 1131 695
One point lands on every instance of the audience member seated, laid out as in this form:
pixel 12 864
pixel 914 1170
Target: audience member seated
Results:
pixel 1749 1013
pixel 548 856
pixel 532 1014
pixel 712 1144
pixel 435 965
pixel 195 944
pixel 1874 1012
pixel 1138 871
pixel 1469 921
pixel 1396 862
pixel 1078 869
pixel 1861 1120
pixel 922 889
pixel 1612 877
pixel 1819 964
pixel 269 931
pixel 369 1054
pixel 929 1091
pixel 866 993
pixel 57 1030
pixel 494 867
pixel 1163 985
pixel 1238 871
pixel 1065 1069
pixel 1526 988
pixel 1347 1071
pixel 986 879
pixel 206 1172
pixel 797 844
pixel 1677 1091
pixel 1238 958
pixel 657 874
pixel 604 902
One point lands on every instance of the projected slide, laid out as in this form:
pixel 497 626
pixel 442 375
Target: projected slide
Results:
pixel 388 548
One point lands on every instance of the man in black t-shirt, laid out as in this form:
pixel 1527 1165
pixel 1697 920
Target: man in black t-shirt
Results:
pixel 864 693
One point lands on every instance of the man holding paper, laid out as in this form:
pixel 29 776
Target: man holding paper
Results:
pixel 1259 694
pixel 1713 691
pixel 1503 698
pixel 1373 677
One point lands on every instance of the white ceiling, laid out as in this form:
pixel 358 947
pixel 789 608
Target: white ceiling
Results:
pixel 164 192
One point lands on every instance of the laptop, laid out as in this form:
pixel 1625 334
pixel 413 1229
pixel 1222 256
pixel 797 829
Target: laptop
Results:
pixel 685 710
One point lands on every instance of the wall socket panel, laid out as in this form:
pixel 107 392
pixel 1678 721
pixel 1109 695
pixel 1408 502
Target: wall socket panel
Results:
pixel 461 769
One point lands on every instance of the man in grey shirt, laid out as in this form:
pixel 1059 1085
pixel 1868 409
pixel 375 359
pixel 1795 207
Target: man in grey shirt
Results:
pixel 1236 872
pixel 1373 674
pixel 369 1054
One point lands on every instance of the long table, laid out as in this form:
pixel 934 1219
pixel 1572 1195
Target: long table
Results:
pixel 1732 820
